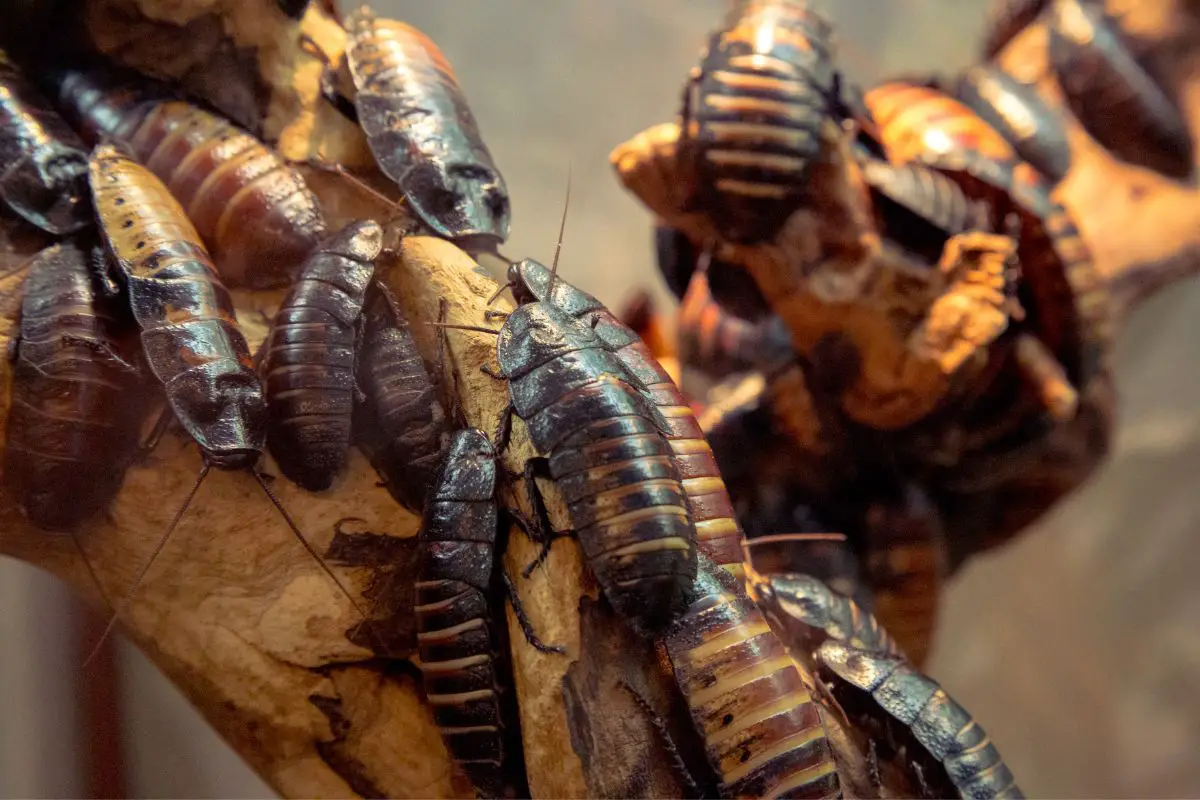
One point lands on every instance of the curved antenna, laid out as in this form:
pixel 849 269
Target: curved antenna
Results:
pixel 775 538
pixel 562 227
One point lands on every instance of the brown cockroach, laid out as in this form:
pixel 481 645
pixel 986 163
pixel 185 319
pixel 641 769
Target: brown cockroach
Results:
pixel 43 163
pixel 720 343
pixel 1006 19
pixel 77 393
pixel 309 364
pixel 252 209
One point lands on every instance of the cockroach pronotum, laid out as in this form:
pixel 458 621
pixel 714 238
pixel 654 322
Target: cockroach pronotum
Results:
pixel 422 132
pixel 253 210
pixel 973 767
pixel 402 427
pixel 749 699
pixel 310 357
pixel 43 163
pixel 77 393
pixel 1116 100
pixel 717 530
pixel 753 111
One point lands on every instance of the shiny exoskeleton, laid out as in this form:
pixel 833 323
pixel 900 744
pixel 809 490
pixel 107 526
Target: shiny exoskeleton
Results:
pixel 422 132
pixel 253 210
pixel 750 701
pixel 719 343
pixel 752 114
pixel 717 532
pixel 973 767
pixel 76 393
pixel 310 357
pixel 189 332
pixel 402 427
pixel 605 450
pixel 43 163
pixel 1007 18
pixel 457 637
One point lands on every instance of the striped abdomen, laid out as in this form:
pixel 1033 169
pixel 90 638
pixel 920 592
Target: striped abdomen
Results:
pixel 916 122
pixel 748 698
pixel 404 426
pixel 43 163
pixel 254 211
pixel 942 726
pixel 422 132
pixel 76 394
pixel 310 355
pixel 719 343
pixel 189 334
pixel 455 639
pixel 753 111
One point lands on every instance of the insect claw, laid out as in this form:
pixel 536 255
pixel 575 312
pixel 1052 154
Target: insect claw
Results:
pixel 486 369
pixel 492 314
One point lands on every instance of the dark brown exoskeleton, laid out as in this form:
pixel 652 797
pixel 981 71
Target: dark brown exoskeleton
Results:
pixel 601 441
pixel 43 163
pixel 717 531
pixel 719 343
pixel 1006 19
pixel 310 357
pixel 422 132
pixel 77 393
pixel 253 210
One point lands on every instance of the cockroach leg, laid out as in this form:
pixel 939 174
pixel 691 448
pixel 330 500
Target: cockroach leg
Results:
pixel 504 428
pixel 104 272
pixel 665 739
pixel 161 425
pixel 526 627
pixel 544 533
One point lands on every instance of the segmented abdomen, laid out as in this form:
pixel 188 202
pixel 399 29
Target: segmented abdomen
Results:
pixel 76 394
pixel 43 163
pixel 454 622
pixel 189 334
pixel 405 427
pixel 940 724
pixel 719 343
pixel 915 121
pixel 310 357
pixel 762 731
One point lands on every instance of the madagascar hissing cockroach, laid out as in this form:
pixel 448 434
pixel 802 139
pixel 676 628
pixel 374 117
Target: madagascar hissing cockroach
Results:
pixel 750 701
pixel 1006 19
pixel 422 132
pixel 752 114
pixel 717 531
pixel 310 357
pixel 401 426
pixel 253 210
pixel 77 393
pixel 715 341
pixel 43 163
pixel 973 767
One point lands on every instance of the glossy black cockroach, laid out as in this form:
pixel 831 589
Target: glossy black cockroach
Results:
pixel 43 163
pixel 309 364
pixel 1007 18
pixel 1020 115
pixel 752 114
pixel 401 426
pixel 253 210
pixel 973 767
pixel 422 132
pixel 1116 100
pixel 77 393
pixel 750 700
pixel 717 531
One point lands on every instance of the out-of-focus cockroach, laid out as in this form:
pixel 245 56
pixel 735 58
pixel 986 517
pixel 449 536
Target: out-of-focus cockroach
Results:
pixel 422 132
pixel 973 767
pixel 752 114
pixel 749 699
pixel 1114 97
pixel 719 343
pixel 252 209
pixel 77 393
pixel 1006 19
pixel 43 163
pixel 402 427
pixel 310 357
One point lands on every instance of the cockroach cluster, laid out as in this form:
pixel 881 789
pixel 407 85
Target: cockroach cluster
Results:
pixel 905 319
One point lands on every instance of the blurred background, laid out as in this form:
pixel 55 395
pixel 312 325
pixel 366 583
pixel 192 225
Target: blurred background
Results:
pixel 1078 648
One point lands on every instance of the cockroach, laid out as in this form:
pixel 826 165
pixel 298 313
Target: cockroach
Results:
pixel 294 9
pixel 752 114
pixel 253 210
pixel 717 531
pixel 422 132
pixel 712 339
pixel 310 357
pixel 43 163
pixel 750 701
pixel 973 766
pixel 1006 19
pixel 1018 112
pixel 76 396
pixel 1114 97
pixel 402 427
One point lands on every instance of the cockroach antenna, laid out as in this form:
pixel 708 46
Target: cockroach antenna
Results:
pixel 562 227
pixel 453 327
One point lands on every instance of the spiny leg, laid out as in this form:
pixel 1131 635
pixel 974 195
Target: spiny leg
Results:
pixel 664 737
pixel 523 620
pixel 546 535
